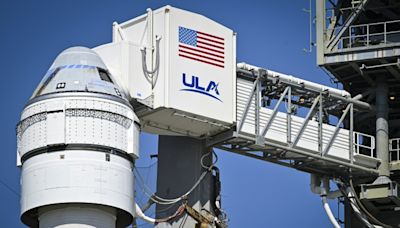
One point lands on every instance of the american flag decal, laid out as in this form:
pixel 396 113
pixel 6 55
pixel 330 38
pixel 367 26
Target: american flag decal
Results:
pixel 202 47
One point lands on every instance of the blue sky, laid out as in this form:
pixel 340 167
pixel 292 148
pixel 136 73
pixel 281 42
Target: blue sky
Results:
pixel 271 34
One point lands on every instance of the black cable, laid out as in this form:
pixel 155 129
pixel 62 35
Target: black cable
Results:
pixel 146 167
pixel 344 193
pixel 360 204
pixel 9 188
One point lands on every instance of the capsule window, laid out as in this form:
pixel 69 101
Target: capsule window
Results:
pixel 60 85
pixel 117 92
pixel 104 75
pixel 45 81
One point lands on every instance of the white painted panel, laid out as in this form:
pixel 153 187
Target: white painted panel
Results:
pixel 49 179
pixel 195 98
pixel 201 74
pixel 55 123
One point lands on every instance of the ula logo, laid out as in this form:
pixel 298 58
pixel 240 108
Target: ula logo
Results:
pixel 193 85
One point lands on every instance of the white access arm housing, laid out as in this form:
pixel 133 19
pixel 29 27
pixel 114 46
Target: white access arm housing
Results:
pixel 179 64
pixel 179 71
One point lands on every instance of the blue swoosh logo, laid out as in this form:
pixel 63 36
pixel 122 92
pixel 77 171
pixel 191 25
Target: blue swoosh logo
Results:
pixel 201 92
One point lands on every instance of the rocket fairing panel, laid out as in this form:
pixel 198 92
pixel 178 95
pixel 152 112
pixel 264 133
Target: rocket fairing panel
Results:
pixel 195 73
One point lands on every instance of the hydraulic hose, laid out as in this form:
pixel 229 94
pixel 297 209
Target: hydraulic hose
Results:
pixel 362 207
pixel 151 75
pixel 140 214
pixel 329 211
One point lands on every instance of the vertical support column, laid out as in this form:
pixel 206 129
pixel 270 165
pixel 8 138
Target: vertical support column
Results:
pixel 289 117
pixel 257 103
pixel 178 169
pixel 320 30
pixel 257 100
pixel 320 124
pixel 350 218
pixel 382 127
pixel 351 138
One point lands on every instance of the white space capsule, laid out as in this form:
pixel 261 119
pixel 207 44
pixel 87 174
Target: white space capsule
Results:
pixel 77 143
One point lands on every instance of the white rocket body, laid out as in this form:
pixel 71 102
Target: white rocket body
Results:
pixel 77 143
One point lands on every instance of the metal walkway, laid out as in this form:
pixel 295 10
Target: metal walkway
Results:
pixel 285 120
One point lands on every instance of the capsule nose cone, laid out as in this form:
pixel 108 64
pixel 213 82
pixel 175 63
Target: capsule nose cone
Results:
pixel 78 69
pixel 78 56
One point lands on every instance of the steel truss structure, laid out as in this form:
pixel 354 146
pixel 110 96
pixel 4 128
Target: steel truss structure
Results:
pixel 321 105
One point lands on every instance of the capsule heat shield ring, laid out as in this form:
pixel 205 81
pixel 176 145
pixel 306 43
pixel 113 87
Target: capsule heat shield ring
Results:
pixel 87 147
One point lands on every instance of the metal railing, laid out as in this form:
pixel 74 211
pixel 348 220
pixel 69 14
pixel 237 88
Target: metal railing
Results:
pixel 359 143
pixel 394 149
pixel 364 144
pixel 367 35
pixel 355 3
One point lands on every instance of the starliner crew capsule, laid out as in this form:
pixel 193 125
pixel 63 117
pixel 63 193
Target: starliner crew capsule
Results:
pixel 77 143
